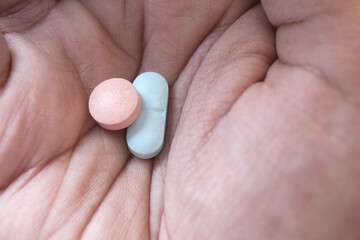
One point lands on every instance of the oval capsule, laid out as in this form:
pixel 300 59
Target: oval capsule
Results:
pixel 145 137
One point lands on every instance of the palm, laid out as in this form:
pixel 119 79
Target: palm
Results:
pixel 244 158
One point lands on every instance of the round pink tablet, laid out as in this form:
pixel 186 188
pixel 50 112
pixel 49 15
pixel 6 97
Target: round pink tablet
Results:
pixel 115 104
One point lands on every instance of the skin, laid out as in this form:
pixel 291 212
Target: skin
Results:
pixel 263 127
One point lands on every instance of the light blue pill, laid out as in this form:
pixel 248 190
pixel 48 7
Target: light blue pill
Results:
pixel 145 137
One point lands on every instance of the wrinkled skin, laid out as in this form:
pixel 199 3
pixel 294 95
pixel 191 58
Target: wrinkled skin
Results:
pixel 263 126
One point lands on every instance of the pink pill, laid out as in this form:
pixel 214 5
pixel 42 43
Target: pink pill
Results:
pixel 115 104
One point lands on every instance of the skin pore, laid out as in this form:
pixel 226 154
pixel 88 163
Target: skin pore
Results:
pixel 263 124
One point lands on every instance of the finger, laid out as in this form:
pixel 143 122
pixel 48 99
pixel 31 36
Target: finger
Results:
pixel 123 21
pixel 320 37
pixel 75 30
pixel 173 30
pixel 18 15
pixel 4 61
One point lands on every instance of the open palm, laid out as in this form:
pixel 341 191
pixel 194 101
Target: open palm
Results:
pixel 263 124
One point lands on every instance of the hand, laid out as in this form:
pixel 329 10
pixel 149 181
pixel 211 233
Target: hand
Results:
pixel 262 142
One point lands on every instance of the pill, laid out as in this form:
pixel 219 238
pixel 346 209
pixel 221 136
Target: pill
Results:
pixel 145 137
pixel 115 104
